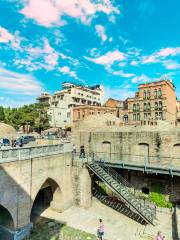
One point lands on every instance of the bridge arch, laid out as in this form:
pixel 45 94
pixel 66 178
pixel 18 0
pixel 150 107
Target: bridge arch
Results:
pixel 48 194
pixel 6 219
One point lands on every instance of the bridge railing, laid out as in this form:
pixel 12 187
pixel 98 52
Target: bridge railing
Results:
pixel 13 154
pixel 161 162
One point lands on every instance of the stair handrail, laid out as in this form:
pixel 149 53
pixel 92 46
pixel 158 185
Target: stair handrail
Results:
pixel 147 205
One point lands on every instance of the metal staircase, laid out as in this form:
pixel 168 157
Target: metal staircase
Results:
pixel 123 190
pixel 119 207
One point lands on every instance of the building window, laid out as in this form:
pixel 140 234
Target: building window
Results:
pixel 145 106
pixel 134 107
pixel 148 106
pixel 156 115
pixel 156 106
pixel 155 93
pixel 145 116
pixel 160 105
pixel 159 92
pixel 144 94
pixel 148 94
pixel 137 107
pixel 68 114
pixel 160 115
pixel 125 118
pixel 79 115
pixel 134 117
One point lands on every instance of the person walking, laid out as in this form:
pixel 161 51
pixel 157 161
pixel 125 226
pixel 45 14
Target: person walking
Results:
pixel 160 236
pixel 100 230
pixel 82 152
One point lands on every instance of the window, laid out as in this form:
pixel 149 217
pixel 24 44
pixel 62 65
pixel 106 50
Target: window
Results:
pixel 145 106
pixel 155 93
pixel 156 106
pixel 160 105
pixel 68 114
pixel 159 92
pixel 144 94
pixel 148 94
pixel 134 117
pixel 145 116
pixel 137 107
pixel 160 115
pixel 134 107
pixel 156 115
pixel 125 118
pixel 149 107
pixel 79 115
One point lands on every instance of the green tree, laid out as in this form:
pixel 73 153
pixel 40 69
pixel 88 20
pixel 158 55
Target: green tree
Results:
pixel 2 115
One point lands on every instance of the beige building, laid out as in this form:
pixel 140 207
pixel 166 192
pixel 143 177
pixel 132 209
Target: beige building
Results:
pixel 71 95
pixel 153 101
pixel 81 112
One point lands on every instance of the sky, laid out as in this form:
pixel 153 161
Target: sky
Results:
pixel 118 44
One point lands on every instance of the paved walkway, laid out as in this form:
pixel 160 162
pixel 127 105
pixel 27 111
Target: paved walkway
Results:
pixel 117 226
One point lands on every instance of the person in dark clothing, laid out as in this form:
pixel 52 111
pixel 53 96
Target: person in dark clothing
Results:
pixel 82 152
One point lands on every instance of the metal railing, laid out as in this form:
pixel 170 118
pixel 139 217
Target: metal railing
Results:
pixel 162 162
pixel 147 212
pixel 14 154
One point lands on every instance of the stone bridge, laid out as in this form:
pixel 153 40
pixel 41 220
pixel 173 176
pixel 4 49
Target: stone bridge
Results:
pixel 32 178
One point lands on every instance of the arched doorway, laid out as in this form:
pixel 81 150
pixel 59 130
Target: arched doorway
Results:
pixel 6 219
pixel 176 154
pixel 48 193
pixel 106 151
pixel 144 152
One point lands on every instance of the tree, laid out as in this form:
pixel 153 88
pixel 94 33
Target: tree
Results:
pixel 2 115
pixel 34 115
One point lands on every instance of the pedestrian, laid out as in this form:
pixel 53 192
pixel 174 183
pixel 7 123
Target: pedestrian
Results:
pixel 82 152
pixel 74 149
pixel 100 230
pixel 160 236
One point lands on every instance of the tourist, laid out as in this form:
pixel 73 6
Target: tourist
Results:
pixel 74 149
pixel 100 231
pixel 82 152
pixel 160 236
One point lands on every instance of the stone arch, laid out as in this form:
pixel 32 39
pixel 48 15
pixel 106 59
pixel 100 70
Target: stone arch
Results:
pixel 6 219
pixel 176 154
pixel 49 195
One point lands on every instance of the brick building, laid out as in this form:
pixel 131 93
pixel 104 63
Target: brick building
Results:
pixel 153 101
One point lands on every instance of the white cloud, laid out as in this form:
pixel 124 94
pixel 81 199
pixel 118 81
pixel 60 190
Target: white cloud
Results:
pixel 160 55
pixel 134 63
pixel 50 12
pixel 100 30
pixel 5 36
pixel 123 74
pixel 170 64
pixel 109 58
pixel 141 78
pixel 17 83
pixel 68 71
pixel 44 56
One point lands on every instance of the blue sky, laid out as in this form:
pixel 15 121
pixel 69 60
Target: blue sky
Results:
pixel 118 44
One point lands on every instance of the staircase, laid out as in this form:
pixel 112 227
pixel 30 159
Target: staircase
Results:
pixel 123 190
pixel 119 207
